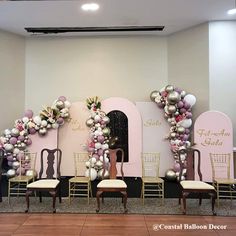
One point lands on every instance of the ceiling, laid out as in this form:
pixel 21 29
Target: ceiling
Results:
pixel 175 15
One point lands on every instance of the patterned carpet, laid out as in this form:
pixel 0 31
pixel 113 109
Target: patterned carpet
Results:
pixel 114 205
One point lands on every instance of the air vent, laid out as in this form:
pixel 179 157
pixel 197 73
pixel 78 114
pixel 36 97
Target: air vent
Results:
pixel 59 30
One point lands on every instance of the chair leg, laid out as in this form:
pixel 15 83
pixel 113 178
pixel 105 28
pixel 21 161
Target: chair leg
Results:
pixel 27 194
pixel 200 199
pixel 40 196
pixel 98 200
pixel 59 192
pixel 53 194
pixel 124 193
pixel 213 197
pixel 184 195
pixel 218 194
pixel 9 191
pixel 163 193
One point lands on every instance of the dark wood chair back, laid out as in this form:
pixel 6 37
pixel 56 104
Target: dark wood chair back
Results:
pixel 50 164
pixel 191 155
pixel 113 163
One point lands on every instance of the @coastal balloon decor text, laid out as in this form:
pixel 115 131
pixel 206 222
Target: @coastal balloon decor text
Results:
pixel 98 145
pixel 14 142
pixel 177 106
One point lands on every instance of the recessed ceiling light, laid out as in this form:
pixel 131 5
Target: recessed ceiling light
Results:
pixel 232 11
pixel 90 7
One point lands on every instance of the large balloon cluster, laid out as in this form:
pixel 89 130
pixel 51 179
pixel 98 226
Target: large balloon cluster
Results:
pixel 14 141
pixel 98 145
pixel 177 105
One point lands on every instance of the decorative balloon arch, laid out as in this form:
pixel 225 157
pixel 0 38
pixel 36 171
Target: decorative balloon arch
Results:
pixel 177 106
pixel 14 141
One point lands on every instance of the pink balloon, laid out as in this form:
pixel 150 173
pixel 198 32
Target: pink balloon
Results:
pixel 21 138
pixel 13 140
pixel 188 115
pixel 10 158
pixel 186 105
pixel 95 155
pixel 100 138
pixel 176 167
pixel 60 121
pixel 62 98
pixel 90 149
pixel 32 131
pixel 29 142
pixel 100 152
pixel 180 104
pixel 182 110
pixel 29 113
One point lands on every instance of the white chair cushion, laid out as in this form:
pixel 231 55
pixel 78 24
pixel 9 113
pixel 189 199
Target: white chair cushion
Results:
pixel 112 183
pixel 192 184
pixel 44 183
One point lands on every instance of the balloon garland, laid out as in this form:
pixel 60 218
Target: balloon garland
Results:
pixel 14 141
pixel 177 106
pixel 98 146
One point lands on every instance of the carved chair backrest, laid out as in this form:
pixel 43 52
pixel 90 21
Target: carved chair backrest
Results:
pixel 113 163
pixel 50 164
pixel 187 159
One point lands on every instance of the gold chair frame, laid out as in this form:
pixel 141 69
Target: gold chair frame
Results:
pixel 152 184
pixel 80 185
pixel 17 185
pixel 224 185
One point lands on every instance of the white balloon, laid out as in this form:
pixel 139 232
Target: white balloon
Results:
pixel 25 119
pixel 93 160
pixel 98 145
pixel 186 123
pixel 190 99
pixel 37 120
pixel 44 123
pixel 93 174
pixel 67 104
pixel 55 125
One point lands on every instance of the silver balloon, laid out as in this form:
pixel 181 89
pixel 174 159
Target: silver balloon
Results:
pixel 180 130
pixel 171 109
pixel 173 97
pixel 42 131
pixel 169 88
pixel 60 104
pixel 89 122
pixel 16 164
pixel 106 131
pixel 11 173
pixel 170 175
pixel 182 94
pixel 106 119
pixel 153 95
pixel 8 147
pixel 173 135
pixel 15 132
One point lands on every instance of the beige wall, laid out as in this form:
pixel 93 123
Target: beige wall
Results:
pixel 12 78
pixel 129 67
pixel 222 38
pixel 188 64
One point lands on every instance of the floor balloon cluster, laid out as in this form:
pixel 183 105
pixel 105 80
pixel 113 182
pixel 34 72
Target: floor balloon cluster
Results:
pixel 14 142
pixel 177 106
pixel 98 145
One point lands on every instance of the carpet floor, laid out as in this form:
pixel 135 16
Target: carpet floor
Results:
pixel 114 205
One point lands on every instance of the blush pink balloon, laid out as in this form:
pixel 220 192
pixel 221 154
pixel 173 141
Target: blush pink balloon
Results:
pixel 29 113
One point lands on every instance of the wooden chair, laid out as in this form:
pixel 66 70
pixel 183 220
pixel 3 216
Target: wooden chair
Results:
pixel 49 176
pixel 194 186
pixel 80 185
pixel 152 185
pixel 224 185
pixel 113 184
pixel 27 173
